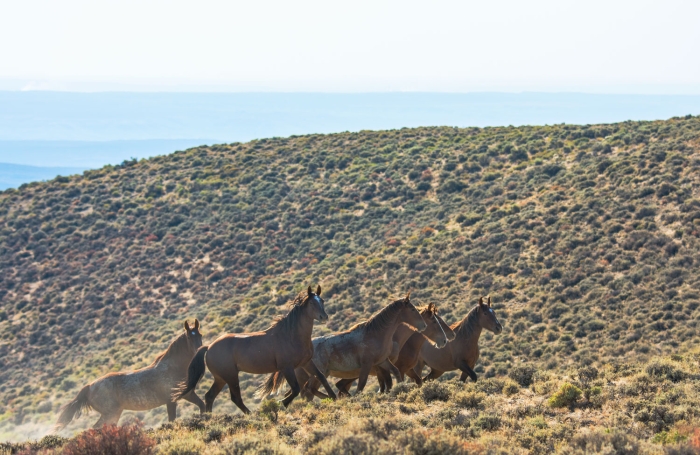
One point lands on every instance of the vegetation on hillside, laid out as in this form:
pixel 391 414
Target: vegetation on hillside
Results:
pixel 624 409
pixel 586 237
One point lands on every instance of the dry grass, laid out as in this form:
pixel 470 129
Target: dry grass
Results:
pixel 634 410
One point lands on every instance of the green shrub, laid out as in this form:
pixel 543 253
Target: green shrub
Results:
pixel 487 421
pixel 668 437
pixel 250 445
pixel 343 442
pixel 431 442
pixel 511 388
pixel 270 409
pixel 617 443
pixel 523 375
pixel 470 400
pixel 567 395
pixel 665 370
pixel 434 390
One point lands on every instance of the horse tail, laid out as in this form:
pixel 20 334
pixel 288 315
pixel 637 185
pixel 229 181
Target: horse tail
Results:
pixel 274 382
pixel 74 408
pixel 195 371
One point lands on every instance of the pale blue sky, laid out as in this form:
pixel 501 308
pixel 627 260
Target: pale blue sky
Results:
pixel 611 46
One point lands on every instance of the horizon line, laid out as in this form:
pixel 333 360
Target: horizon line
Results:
pixel 368 92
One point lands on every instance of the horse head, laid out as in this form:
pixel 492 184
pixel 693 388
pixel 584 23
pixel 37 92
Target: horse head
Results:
pixel 316 304
pixel 438 332
pixel 487 317
pixel 194 337
pixel 410 314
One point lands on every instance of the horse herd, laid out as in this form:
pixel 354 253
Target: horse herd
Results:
pixel 391 342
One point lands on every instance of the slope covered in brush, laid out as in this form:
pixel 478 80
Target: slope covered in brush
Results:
pixel 586 237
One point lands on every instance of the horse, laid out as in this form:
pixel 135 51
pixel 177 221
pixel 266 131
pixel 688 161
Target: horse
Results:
pixel 463 352
pixel 353 353
pixel 281 348
pixel 437 332
pixel 142 389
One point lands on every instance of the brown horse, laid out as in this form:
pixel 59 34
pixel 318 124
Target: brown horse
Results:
pixel 142 389
pixel 283 347
pixel 462 353
pixel 437 332
pixel 353 353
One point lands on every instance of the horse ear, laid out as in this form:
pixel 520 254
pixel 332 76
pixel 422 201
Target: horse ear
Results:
pixel 489 302
pixel 196 324
pixel 481 301
pixel 187 326
pixel 408 296
pixel 310 292
pixel 318 290
pixel 431 307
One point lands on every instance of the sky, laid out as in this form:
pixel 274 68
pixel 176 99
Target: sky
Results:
pixel 611 46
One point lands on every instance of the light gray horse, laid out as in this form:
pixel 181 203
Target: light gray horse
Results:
pixel 142 389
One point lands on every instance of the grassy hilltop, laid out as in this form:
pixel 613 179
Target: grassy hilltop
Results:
pixel 586 237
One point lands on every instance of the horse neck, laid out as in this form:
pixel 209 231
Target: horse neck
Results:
pixel 415 341
pixel 402 334
pixel 177 355
pixel 300 328
pixel 386 321
pixel 468 330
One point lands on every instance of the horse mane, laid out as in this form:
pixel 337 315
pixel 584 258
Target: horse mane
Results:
pixel 381 319
pixel 468 325
pixel 177 345
pixel 289 320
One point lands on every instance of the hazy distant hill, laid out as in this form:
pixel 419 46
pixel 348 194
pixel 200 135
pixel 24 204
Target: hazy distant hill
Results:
pixel 586 237
pixel 119 116
pixel 14 175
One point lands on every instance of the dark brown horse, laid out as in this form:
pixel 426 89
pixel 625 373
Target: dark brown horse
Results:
pixel 437 332
pixel 353 353
pixel 284 346
pixel 462 353
pixel 142 389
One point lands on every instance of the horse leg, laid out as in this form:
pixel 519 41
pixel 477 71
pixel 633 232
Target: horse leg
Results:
pixel 384 379
pixel 311 389
pixel 418 367
pixel 362 380
pixel 466 371
pixel 416 377
pixel 434 374
pixel 212 393
pixel 195 400
pixel 391 368
pixel 235 389
pixel 315 371
pixel 172 410
pixel 108 418
pixel 291 378
pixel 344 387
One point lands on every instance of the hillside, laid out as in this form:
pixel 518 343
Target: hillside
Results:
pixel 586 237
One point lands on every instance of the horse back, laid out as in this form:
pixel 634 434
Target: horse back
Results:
pixel 138 390
pixel 257 353
pixel 342 351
